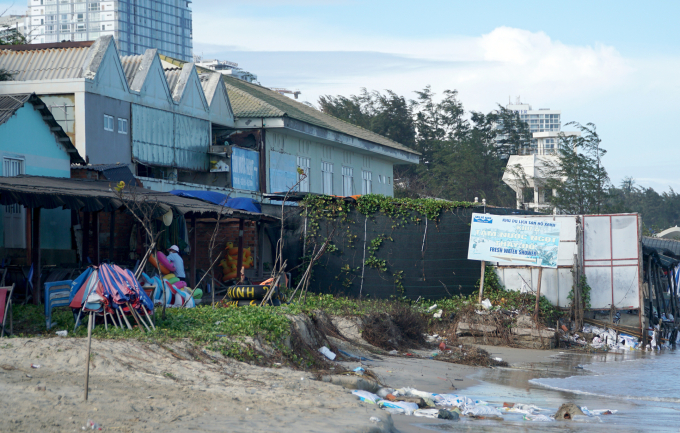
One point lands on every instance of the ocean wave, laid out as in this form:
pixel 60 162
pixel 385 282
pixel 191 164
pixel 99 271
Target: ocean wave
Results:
pixel 612 396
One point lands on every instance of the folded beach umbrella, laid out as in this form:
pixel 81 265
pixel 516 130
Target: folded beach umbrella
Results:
pixel 77 286
pixel 141 294
pixel 115 286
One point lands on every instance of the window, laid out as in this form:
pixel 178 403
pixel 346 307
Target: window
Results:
pixel 366 182
pixel 122 126
pixel 381 179
pixel 108 123
pixel 347 181
pixel 305 165
pixel 327 177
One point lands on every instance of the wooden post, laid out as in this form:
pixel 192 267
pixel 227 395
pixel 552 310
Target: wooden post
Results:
pixel 86 237
pixel 239 259
pixel 538 292
pixel 95 235
pixel 87 360
pixel 112 236
pixel 194 252
pixel 481 282
pixel 36 259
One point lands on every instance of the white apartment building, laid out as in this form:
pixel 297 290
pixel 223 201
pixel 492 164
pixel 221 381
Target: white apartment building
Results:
pixel 136 25
pixel 526 173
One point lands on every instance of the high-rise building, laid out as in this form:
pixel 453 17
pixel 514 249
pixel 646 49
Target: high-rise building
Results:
pixel 136 25
pixel 545 125
pixel 528 172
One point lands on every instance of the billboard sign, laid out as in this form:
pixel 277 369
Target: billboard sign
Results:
pixel 514 240
pixel 245 166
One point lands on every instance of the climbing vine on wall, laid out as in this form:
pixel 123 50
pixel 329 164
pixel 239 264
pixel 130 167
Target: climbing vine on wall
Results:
pixel 335 212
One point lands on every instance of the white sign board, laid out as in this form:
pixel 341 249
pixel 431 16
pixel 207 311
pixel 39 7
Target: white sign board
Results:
pixel 514 240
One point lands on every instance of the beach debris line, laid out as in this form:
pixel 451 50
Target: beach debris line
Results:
pixel 412 402
pixel 601 338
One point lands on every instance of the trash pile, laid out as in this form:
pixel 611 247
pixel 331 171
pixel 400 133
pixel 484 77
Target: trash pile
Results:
pixel 412 402
pixel 113 293
pixel 601 338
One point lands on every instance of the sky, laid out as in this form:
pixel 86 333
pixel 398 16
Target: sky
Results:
pixel 612 63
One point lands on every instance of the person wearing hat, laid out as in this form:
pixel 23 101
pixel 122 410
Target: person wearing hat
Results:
pixel 175 259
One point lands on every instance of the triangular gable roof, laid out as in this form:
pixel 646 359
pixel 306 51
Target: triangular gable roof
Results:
pixel 103 65
pixel 150 80
pixel 188 91
pixel 10 104
pixel 216 94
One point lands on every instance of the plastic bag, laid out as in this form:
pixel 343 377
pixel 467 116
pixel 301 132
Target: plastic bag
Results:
pixel 427 413
pixel 327 353
pixel 366 396
pixel 482 410
pixel 486 304
pixel 399 406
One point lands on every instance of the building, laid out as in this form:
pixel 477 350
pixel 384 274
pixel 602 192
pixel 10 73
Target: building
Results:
pixel 227 68
pixel 527 173
pixel 339 158
pixel 11 25
pixel 176 124
pixel 33 143
pixel 136 25
pixel 132 110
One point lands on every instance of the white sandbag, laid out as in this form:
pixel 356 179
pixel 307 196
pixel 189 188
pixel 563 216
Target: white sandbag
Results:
pixel 402 406
pixel 366 396
pixel 427 413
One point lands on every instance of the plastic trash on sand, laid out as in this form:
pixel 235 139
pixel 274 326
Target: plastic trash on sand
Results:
pixel 375 419
pixel 457 401
pixel 359 370
pixel 62 333
pixel 486 304
pixel 398 407
pixel 438 314
pixel 427 413
pixel 482 410
pixel 597 412
pixel 327 353
pixel 366 396
pixel 383 392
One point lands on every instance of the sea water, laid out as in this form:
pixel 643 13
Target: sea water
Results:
pixel 643 387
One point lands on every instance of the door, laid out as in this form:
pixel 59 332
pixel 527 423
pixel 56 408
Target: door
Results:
pixel 15 215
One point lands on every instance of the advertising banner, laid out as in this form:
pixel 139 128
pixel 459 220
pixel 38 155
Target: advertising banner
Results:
pixel 514 240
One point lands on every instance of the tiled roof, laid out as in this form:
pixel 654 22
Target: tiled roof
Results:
pixel 43 64
pixel 251 100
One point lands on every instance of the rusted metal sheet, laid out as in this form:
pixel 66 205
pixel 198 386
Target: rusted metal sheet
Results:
pixel 168 139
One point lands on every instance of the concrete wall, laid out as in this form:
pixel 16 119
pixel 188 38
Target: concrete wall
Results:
pixel 106 147
pixel 27 137
pixel 318 152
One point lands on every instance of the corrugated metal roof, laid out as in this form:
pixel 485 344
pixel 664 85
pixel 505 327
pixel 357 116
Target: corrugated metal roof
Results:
pixel 251 100
pixel 131 66
pixel 173 77
pixel 46 64
pixel 9 104
pixel 95 195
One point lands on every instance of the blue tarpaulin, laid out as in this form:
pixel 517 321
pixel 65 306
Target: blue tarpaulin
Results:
pixel 240 203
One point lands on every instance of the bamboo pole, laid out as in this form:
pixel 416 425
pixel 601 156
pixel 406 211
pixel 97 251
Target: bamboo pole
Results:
pixel 481 282
pixel 147 316
pixel 538 293
pixel 87 360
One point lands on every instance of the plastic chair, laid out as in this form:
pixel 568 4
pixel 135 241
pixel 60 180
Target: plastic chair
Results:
pixel 6 308
pixel 57 294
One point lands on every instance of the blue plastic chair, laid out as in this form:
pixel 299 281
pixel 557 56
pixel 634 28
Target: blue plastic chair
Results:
pixel 56 295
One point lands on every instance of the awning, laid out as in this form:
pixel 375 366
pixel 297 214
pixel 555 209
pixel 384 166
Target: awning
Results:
pixel 96 195
pixel 240 203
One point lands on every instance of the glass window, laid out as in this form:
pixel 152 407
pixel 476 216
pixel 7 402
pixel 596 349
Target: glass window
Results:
pixel 304 164
pixel 327 177
pixel 122 126
pixel 366 182
pixel 347 181
pixel 108 123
